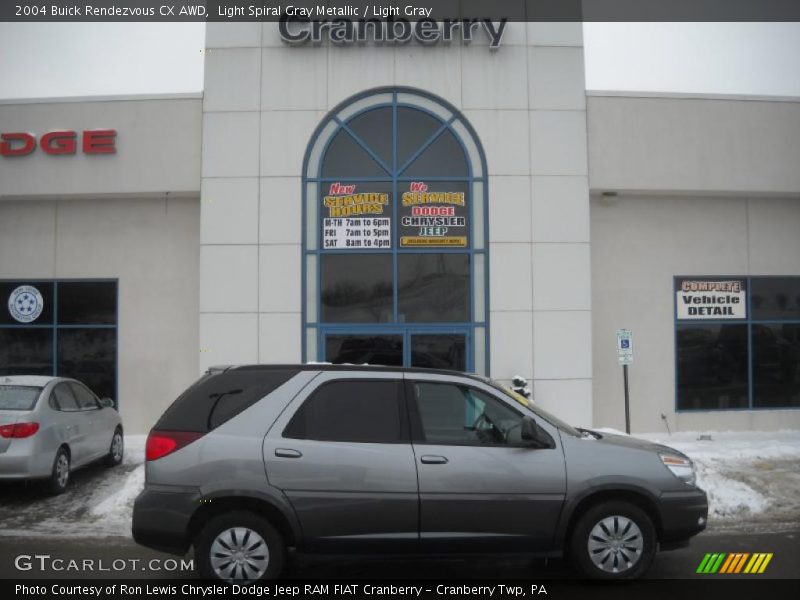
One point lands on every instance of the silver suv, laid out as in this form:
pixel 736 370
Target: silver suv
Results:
pixel 252 460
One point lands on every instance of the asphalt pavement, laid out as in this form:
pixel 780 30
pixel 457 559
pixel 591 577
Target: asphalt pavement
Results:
pixel 81 558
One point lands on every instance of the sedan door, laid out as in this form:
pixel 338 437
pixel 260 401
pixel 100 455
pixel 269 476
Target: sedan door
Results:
pixel 481 486
pixel 342 455
pixel 70 425
pixel 98 439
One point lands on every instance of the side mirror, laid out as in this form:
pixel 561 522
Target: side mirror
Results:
pixel 106 403
pixel 533 434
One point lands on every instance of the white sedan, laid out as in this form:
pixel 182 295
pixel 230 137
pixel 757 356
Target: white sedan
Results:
pixel 50 426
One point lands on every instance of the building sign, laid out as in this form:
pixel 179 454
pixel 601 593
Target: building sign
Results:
pixel 433 218
pixel 709 299
pixel 92 141
pixel 302 26
pixel 25 304
pixel 356 220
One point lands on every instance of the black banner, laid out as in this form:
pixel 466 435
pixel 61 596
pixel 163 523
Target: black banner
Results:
pixel 732 588
pixel 411 10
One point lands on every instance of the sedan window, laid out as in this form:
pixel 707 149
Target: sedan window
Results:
pixel 86 399
pixel 18 397
pixel 62 399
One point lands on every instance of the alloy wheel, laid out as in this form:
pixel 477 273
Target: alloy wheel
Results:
pixel 239 553
pixel 615 544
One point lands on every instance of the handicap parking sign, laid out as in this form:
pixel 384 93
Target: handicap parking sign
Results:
pixel 624 346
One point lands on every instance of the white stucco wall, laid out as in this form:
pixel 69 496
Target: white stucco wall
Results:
pixel 666 143
pixel 527 102
pixel 158 147
pixel 132 216
pixel 639 243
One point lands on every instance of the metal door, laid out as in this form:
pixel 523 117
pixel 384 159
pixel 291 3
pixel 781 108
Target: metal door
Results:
pixel 346 494
pixel 491 496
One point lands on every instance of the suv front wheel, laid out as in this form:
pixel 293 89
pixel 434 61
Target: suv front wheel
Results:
pixel 613 540
pixel 239 546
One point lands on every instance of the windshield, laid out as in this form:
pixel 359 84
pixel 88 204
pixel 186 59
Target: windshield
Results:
pixel 566 427
pixel 18 397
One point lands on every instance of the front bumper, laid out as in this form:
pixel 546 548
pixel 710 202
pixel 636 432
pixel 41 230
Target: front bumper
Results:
pixel 161 519
pixel 683 514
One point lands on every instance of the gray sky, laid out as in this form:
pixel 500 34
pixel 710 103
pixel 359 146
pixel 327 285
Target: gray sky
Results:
pixel 76 59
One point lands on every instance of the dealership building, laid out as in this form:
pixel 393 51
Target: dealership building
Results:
pixel 454 202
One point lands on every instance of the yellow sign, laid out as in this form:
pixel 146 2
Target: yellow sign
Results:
pixel 458 241
pixel 370 203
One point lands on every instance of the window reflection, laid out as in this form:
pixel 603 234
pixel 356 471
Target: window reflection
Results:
pixel 433 288
pixel 356 288
pixel 712 366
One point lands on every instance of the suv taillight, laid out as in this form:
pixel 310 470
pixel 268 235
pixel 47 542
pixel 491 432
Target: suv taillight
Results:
pixel 18 430
pixel 161 443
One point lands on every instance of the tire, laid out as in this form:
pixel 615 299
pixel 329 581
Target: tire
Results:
pixel 239 531
pixel 116 449
pixel 613 540
pixel 59 475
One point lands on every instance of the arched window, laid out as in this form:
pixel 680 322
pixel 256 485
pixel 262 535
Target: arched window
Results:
pixel 395 252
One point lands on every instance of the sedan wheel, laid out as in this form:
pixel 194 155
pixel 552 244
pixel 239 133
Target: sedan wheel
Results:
pixel 117 449
pixel 59 478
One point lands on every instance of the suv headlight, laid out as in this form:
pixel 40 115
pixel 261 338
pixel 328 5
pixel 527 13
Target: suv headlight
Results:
pixel 681 467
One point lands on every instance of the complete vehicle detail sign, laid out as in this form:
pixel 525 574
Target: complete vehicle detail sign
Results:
pixel 710 299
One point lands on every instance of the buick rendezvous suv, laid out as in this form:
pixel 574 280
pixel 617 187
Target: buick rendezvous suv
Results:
pixel 253 460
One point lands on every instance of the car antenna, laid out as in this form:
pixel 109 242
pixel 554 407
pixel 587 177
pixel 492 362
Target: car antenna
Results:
pixel 666 423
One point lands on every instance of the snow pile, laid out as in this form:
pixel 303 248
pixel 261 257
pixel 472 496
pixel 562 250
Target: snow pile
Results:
pixel 116 509
pixel 747 474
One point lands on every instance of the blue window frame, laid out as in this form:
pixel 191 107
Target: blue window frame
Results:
pixel 420 287
pixel 741 355
pixel 61 327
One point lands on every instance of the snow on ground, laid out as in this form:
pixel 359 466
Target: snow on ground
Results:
pixel 98 502
pixel 752 478
pixel 748 475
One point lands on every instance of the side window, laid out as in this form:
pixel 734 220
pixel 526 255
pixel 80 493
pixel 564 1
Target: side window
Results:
pixel 459 415
pixel 63 399
pixel 86 399
pixel 350 411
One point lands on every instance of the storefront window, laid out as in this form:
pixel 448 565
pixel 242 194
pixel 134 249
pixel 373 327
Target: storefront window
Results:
pixel 395 255
pixel 737 342
pixel 63 328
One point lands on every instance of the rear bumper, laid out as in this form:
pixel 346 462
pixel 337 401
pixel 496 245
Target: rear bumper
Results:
pixel 683 514
pixel 25 461
pixel 161 519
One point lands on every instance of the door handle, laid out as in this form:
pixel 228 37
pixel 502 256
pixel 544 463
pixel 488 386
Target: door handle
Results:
pixel 430 459
pixel 288 453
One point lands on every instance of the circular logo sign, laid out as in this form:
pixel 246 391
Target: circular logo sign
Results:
pixel 25 304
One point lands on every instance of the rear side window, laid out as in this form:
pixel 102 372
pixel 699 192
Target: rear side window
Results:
pixel 63 399
pixel 366 411
pixel 218 397
pixel 18 397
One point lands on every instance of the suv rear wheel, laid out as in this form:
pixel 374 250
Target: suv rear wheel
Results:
pixel 239 546
pixel 613 540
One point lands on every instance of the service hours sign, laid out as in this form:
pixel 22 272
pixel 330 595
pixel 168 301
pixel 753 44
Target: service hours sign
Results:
pixel 356 217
